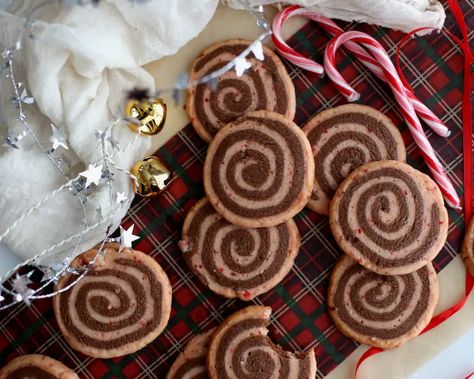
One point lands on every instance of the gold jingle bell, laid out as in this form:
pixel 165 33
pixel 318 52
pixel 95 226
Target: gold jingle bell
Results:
pixel 152 177
pixel 151 115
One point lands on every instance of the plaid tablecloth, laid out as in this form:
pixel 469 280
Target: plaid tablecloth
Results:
pixel 300 321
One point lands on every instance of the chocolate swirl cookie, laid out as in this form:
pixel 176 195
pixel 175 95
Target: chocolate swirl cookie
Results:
pixel 389 217
pixel 120 306
pixel 259 170
pixel 240 348
pixel 36 366
pixel 191 363
pixel 234 261
pixel 381 310
pixel 265 85
pixel 344 138
pixel 468 247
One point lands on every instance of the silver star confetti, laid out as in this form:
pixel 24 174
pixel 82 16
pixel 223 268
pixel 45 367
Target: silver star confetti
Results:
pixel 13 141
pixel 58 138
pixel 257 50
pixel 100 134
pixel 107 174
pixel 51 272
pixel 93 174
pixel 127 236
pixel 79 189
pixel 241 64
pixel 22 291
pixel 23 98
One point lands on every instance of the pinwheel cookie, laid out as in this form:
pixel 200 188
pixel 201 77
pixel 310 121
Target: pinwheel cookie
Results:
pixel 264 85
pixel 235 261
pixel 120 306
pixel 259 170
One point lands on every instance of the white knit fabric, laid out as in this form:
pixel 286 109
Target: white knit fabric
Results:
pixel 404 15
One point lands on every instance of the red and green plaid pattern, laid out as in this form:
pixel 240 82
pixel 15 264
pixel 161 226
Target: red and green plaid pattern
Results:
pixel 433 65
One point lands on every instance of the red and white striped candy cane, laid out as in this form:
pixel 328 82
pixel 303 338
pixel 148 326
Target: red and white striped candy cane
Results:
pixel 333 29
pixel 380 55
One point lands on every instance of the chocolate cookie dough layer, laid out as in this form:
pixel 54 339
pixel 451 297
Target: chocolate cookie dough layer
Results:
pixel 344 138
pixel 265 85
pixel 240 349
pixel 120 306
pixel 36 366
pixel 468 247
pixel 381 310
pixel 389 217
pixel 259 170
pixel 191 363
pixel 234 261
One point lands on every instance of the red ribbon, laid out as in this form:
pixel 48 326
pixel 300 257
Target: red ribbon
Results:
pixel 467 166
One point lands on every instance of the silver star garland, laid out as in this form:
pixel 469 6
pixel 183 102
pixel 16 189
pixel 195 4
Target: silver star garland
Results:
pixel 81 186
pixel 22 291
pixel 127 237
pixel 58 139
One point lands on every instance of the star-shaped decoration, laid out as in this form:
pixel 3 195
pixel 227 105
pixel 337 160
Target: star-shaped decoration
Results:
pixel 257 50
pixel 13 141
pixel 107 174
pixel 100 134
pixel 23 98
pixel 22 291
pixel 121 197
pixel 8 53
pixel 79 189
pixel 51 272
pixel 93 174
pixel 58 138
pixel 241 64
pixel 127 236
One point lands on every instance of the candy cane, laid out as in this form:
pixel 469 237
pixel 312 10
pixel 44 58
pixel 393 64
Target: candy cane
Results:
pixel 380 55
pixel 333 29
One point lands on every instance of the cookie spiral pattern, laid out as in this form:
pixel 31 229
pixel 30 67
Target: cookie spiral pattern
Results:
pixel 36 366
pixel 265 85
pixel 389 217
pixel 241 349
pixel 344 138
pixel 259 170
pixel 235 261
pixel 118 307
pixel 191 363
pixel 381 310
